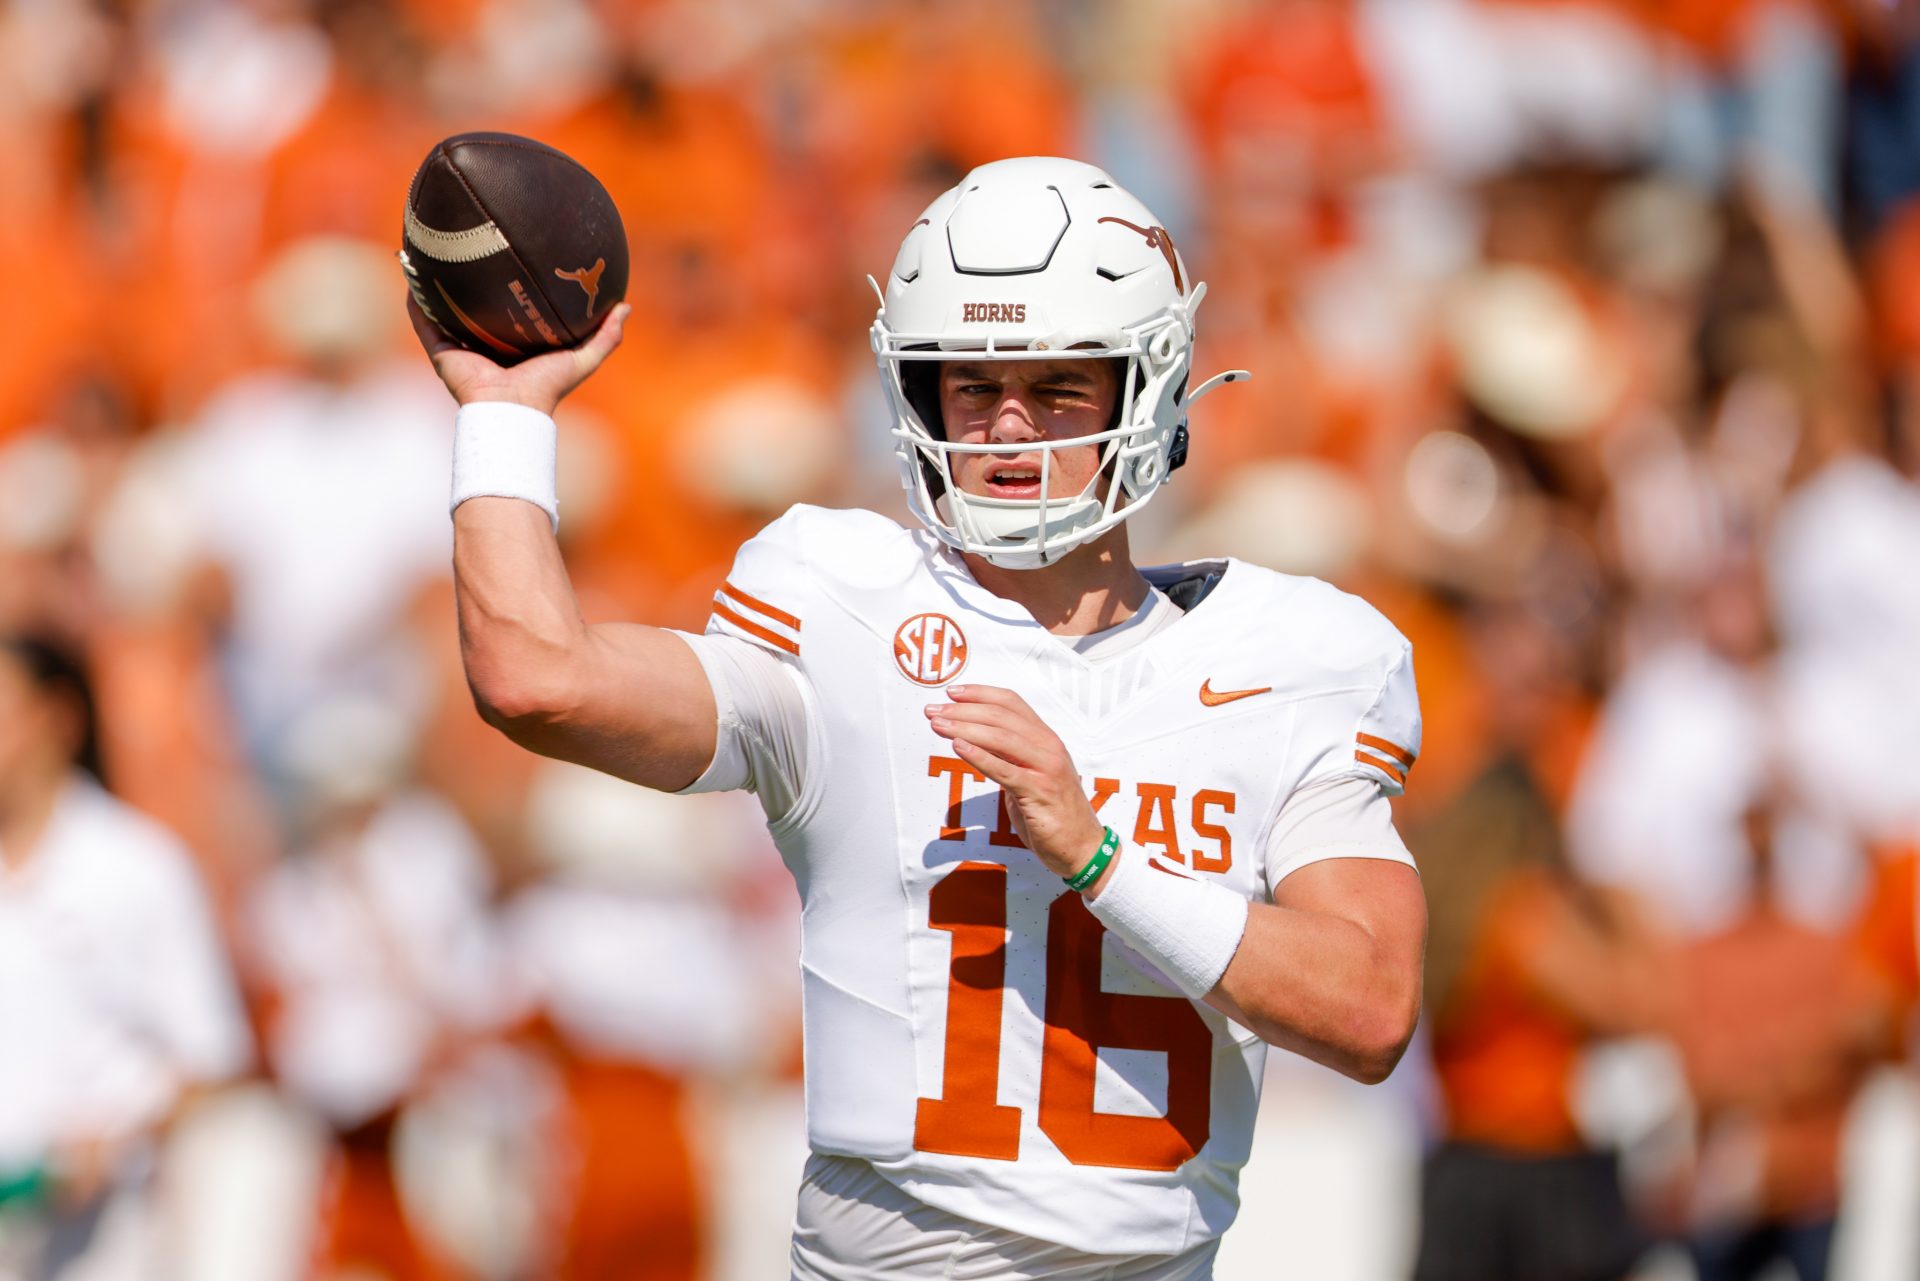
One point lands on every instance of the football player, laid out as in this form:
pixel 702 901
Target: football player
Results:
pixel 1075 840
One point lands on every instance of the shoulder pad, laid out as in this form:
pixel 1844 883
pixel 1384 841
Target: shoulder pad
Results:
pixel 1367 722
pixel 766 592
pixel 797 561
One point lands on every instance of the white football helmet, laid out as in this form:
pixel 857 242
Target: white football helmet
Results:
pixel 1038 258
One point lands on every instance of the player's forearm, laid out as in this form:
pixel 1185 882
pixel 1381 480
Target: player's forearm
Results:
pixel 521 634
pixel 1323 986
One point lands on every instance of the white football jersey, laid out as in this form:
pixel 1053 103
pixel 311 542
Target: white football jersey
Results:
pixel 970 1028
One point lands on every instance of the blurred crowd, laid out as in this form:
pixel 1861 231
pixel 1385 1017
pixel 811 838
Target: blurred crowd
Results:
pixel 1586 342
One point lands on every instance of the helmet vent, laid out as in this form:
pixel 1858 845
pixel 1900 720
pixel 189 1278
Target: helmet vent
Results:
pixel 1008 232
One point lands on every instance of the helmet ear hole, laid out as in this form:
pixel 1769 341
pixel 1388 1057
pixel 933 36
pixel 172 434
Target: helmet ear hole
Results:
pixel 920 384
pixel 1177 449
pixel 936 483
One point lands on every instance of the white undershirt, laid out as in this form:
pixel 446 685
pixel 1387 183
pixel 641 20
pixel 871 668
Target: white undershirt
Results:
pixel 1155 615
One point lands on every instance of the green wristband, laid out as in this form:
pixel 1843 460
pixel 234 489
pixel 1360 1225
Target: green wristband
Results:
pixel 1109 845
pixel 28 1185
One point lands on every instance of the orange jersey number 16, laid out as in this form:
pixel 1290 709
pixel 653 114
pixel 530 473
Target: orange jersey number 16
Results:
pixel 970 903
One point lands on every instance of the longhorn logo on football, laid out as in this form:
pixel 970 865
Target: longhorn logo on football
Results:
pixel 930 649
pixel 588 278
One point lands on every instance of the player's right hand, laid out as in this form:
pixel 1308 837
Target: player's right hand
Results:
pixel 996 732
pixel 540 383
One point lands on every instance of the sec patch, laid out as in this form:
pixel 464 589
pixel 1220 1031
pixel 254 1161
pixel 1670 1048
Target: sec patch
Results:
pixel 930 649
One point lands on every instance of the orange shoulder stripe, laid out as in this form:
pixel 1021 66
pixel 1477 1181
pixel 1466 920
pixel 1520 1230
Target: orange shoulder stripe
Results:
pixel 1386 748
pixel 1382 764
pixel 760 606
pixel 766 634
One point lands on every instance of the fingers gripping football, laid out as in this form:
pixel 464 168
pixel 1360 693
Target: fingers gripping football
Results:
pixel 994 731
pixel 540 382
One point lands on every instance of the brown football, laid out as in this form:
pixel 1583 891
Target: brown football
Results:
pixel 511 247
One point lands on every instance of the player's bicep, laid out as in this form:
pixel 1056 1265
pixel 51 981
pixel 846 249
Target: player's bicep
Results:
pixel 1381 896
pixel 1333 969
pixel 640 703
pixel 640 709
pixel 1334 850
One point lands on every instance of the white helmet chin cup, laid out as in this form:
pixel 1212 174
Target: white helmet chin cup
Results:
pixel 1014 533
pixel 1038 258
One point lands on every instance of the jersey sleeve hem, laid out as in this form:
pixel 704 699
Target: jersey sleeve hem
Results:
pixel 727 769
pixel 1354 849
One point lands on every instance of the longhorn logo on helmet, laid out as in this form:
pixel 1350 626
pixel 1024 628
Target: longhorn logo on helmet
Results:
pixel 1157 238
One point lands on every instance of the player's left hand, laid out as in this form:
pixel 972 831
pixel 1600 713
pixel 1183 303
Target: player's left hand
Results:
pixel 994 731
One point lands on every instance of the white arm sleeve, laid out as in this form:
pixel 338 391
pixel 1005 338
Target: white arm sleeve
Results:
pixel 761 743
pixel 1340 818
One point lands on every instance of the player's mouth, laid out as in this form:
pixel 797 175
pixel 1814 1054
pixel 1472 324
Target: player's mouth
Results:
pixel 1013 480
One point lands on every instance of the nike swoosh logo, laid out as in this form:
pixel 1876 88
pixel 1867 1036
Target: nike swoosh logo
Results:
pixel 1213 698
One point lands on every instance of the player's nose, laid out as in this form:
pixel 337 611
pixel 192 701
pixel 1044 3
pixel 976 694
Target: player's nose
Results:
pixel 1013 420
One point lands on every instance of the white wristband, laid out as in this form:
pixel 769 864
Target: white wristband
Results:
pixel 1189 928
pixel 504 450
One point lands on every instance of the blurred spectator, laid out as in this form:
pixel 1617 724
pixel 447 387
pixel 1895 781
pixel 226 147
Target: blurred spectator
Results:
pixel 90 530
pixel 1526 967
pixel 1711 698
pixel 1887 940
pixel 376 955
pixel 1882 112
pixel 315 492
pixel 55 479
pixel 114 992
pixel 1776 1025
pixel 1484 86
pixel 1840 560
pixel 1682 748
pixel 57 74
pixel 237 130
pixel 648 979
pixel 1755 85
